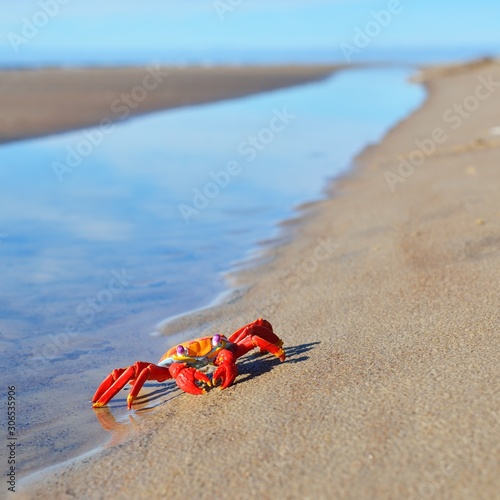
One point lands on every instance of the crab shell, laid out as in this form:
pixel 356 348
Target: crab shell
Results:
pixel 196 353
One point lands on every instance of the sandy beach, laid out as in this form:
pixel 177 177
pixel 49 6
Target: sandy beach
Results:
pixel 47 101
pixel 387 301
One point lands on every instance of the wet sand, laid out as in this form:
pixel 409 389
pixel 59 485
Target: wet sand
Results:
pixel 47 101
pixel 387 301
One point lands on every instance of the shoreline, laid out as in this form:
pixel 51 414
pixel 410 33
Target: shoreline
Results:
pixel 346 418
pixel 42 102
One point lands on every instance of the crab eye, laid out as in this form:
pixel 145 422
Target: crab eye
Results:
pixel 216 340
pixel 181 350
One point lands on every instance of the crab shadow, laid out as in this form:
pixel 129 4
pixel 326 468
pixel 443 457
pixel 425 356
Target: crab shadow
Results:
pixel 255 365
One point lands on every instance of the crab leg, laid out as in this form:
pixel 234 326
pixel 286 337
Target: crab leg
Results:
pixel 267 346
pixel 257 335
pixel 151 372
pixel 140 371
pixel 251 341
pixel 240 334
pixel 107 383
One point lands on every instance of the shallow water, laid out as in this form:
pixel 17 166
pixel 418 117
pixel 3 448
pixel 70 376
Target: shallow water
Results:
pixel 94 256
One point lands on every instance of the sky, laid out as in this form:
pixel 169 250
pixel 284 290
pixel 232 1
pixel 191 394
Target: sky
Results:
pixel 157 27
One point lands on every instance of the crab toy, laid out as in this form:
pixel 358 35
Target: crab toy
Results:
pixel 183 361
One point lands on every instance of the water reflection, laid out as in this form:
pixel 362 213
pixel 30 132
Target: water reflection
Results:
pixel 126 427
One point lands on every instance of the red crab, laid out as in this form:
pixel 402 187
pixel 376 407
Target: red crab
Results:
pixel 182 362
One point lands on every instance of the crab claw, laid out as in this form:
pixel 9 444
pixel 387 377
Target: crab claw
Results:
pixel 227 370
pixel 187 378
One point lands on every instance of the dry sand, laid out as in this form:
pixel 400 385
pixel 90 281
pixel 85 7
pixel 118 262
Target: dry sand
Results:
pixel 391 387
pixel 39 102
